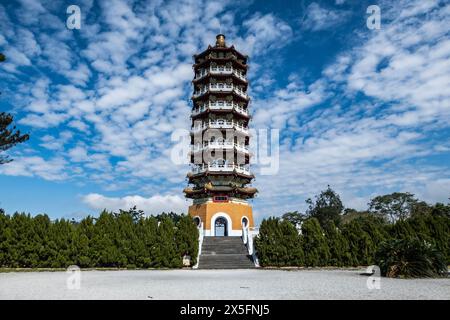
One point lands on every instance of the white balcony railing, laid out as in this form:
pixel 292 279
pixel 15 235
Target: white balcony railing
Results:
pixel 230 167
pixel 220 87
pixel 241 92
pixel 220 105
pixel 220 145
pixel 241 110
pixel 221 124
pixel 220 70
pixel 239 74
pixel 202 90
pixel 201 73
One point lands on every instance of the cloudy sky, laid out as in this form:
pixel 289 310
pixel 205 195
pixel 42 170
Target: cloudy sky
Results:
pixel 366 111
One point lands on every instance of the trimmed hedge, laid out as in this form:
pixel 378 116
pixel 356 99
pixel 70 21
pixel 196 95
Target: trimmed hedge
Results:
pixel 120 240
pixel 353 244
pixel 278 244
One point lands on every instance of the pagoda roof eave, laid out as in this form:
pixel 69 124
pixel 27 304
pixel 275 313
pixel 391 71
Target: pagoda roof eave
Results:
pixel 211 48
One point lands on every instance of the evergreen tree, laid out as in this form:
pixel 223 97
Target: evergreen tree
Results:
pixel 291 244
pixel 4 228
pixel 340 254
pixel 431 229
pixel 326 208
pixel 364 235
pixel 106 253
pixel 171 215
pixel 166 255
pixel 314 244
pixel 146 230
pixel 9 136
pixel 267 243
pixel 440 209
pixel 83 242
pixel 126 239
pixel 60 244
pixel 351 214
pixel 187 238
pixel 402 229
pixel 278 244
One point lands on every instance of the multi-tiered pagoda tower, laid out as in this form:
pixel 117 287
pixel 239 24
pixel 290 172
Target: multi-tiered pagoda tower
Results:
pixel 220 156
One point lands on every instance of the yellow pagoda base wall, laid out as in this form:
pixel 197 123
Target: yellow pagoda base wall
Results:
pixel 232 211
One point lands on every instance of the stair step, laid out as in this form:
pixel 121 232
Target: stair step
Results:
pixel 224 253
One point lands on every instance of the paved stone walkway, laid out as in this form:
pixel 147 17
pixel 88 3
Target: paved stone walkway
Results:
pixel 217 284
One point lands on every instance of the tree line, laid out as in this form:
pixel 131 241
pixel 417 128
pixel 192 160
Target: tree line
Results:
pixel 124 239
pixel 327 234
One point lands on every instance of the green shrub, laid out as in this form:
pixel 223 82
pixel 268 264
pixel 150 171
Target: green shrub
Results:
pixel 364 234
pixel 410 258
pixel 278 244
pixel 314 243
pixel 186 238
pixel 125 239
pixel 340 254
pixel 434 229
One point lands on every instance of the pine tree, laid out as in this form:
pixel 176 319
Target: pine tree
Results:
pixel 62 231
pixel 166 255
pixel 291 245
pixel 327 207
pixel 187 238
pixel 150 230
pixel 106 253
pixel 314 244
pixel 126 239
pixel 83 242
pixel 9 136
pixel 364 235
pixel 267 243
pixel 4 229
pixel 340 254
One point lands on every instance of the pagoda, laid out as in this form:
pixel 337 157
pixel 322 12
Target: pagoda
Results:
pixel 220 177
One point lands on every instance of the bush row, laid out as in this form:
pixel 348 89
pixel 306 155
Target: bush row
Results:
pixel 124 240
pixel 355 243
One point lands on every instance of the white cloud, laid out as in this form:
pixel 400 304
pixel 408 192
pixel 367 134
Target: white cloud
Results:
pixel 289 102
pixel 318 18
pixel 408 63
pixel 436 191
pixel 35 166
pixel 78 124
pixel 151 206
pixel 264 33
pixel 56 143
pixel 367 149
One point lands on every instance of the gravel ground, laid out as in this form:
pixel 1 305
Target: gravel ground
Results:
pixel 217 284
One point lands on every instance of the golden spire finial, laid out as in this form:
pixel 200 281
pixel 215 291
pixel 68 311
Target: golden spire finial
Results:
pixel 220 40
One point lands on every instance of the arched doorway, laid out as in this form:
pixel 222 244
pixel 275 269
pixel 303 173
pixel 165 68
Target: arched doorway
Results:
pixel 221 227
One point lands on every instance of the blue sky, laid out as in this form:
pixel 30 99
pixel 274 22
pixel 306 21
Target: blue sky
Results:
pixel 366 111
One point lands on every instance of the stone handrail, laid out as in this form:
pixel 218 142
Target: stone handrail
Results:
pixel 248 235
pixel 200 243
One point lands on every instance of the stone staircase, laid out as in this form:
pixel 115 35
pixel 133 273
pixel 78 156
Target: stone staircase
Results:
pixel 224 253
